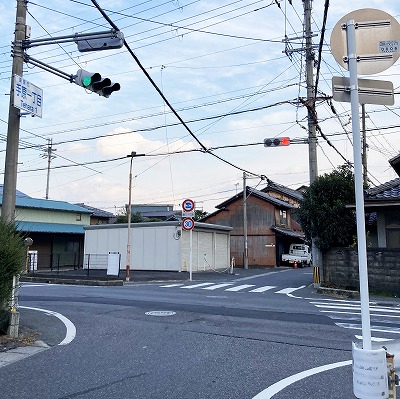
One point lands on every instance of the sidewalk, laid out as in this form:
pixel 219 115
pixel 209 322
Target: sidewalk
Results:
pixel 99 277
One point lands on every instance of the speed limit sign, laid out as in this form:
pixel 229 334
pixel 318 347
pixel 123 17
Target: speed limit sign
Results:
pixel 187 224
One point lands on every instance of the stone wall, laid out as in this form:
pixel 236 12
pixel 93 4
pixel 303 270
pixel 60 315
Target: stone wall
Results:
pixel 340 269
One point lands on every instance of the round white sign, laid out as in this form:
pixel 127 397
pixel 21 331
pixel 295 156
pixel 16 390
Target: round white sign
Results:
pixel 188 205
pixel 187 224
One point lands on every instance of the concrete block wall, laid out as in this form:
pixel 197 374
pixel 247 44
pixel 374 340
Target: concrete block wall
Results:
pixel 340 269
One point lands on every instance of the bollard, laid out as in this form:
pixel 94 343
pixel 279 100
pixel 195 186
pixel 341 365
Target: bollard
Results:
pixel 316 279
pixel 392 377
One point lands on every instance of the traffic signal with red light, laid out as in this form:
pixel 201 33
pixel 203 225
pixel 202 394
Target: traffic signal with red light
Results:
pixel 277 141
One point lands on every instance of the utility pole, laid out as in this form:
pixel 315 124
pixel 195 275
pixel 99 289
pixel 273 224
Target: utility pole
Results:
pixel 11 161
pixel 312 130
pixel 49 155
pixel 129 216
pixel 245 250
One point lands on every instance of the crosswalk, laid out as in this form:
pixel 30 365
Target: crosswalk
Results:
pixel 232 287
pixel 384 319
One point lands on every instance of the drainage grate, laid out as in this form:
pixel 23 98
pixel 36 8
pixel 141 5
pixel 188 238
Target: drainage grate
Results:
pixel 160 313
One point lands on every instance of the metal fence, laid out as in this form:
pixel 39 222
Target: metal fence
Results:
pixel 103 262
pixel 53 261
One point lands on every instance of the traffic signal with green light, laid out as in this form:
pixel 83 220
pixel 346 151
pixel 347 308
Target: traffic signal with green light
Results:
pixel 94 82
pixel 276 142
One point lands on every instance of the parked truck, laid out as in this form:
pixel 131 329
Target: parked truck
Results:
pixel 299 254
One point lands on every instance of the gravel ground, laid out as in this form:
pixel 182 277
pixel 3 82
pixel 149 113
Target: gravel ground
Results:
pixel 26 337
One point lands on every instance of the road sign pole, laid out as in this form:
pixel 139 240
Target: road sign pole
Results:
pixel 358 181
pixel 190 254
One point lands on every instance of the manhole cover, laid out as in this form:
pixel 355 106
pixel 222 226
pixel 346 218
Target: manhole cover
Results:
pixel 160 313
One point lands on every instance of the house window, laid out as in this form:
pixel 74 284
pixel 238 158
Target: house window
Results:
pixel 282 218
pixel 72 246
pixel 78 217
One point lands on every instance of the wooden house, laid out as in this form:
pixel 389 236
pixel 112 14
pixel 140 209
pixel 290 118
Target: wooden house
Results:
pixel 271 225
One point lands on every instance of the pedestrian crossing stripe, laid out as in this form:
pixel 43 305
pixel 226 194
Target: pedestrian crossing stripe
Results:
pixel 240 287
pixel 347 314
pixel 231 287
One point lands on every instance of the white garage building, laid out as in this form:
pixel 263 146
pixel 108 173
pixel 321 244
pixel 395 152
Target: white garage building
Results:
pixel 159 246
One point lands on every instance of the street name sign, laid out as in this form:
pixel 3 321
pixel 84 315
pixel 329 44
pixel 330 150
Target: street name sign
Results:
pixel 27 96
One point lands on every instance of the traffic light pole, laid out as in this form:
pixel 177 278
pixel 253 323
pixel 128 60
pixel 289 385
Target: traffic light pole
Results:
pixel 11 161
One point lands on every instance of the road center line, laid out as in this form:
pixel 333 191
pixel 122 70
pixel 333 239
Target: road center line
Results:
pixel 280 385
pixel 261 275
pixel 71 330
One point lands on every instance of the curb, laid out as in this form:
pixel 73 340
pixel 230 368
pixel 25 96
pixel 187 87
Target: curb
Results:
pixel 69 281
pixel 338 292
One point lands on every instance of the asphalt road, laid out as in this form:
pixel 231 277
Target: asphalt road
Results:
pixel 243 336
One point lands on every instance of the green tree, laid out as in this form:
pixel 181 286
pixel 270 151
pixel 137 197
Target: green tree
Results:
pixel 136 217
pixel 12 262
pixel 323 214
pixel 198 214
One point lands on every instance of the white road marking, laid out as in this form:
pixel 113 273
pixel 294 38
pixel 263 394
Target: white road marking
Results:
pixel 288 291
pixel 188 287
pixel 393 330
pixel 240 287
pixel 216 286
pixel 356 307
pixel 261 275
pixel 25 285
pixel 282 384
pixel 171 285
pixel 263 289
pixel 71 330
pixel 374 339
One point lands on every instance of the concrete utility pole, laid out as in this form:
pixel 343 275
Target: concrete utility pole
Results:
pixel 11 162
pixel 49 155
pixel 129 216
pixel 312 131
pixel 245 250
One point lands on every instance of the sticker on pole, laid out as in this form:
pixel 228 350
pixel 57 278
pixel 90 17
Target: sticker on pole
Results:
pixel 187 224
pixel 188 205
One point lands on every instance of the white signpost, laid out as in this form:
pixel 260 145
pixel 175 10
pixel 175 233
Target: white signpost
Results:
pixel 361 42
pixel 188 225
pixel 27 96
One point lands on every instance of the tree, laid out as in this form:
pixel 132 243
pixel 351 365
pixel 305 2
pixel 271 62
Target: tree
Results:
pixel 323 214
pixel 12 261
pixel 136 217
pixel 198 214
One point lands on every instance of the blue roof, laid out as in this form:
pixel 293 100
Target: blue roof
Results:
pixel 38 227
pixel 18 193
pixel 27 202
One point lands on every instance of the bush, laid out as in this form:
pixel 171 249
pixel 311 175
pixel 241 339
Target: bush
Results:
pixel 12 262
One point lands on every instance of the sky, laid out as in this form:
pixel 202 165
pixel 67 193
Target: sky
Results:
pixel 222 66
